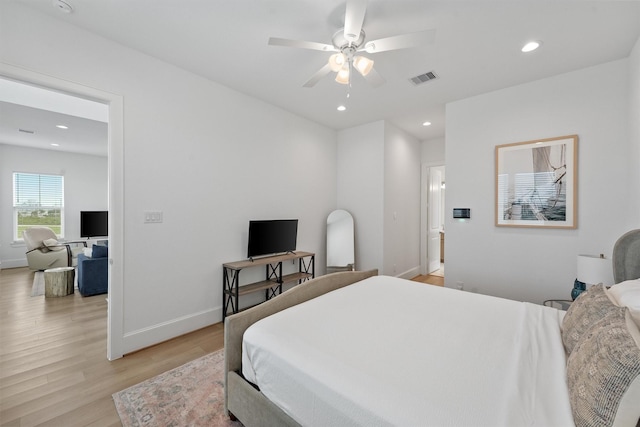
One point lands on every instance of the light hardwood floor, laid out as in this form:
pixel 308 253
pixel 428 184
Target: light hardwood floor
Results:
pixel 430 279
pixel 53 365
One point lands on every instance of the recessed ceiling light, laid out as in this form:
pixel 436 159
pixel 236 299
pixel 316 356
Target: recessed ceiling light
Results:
pixel 426 124
pixel 55 145
pixel 62 127
pixel 62 6
pixel 341 108
pixel 531 46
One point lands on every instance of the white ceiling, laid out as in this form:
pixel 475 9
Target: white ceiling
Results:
pixel 30 116
pixel 82 136
pixel 476 48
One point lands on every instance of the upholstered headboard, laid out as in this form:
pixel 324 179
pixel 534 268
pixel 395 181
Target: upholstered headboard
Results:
pixel 626 257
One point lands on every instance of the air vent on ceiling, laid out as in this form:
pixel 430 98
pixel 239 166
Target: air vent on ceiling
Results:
pixel 26 131
pixel 423 78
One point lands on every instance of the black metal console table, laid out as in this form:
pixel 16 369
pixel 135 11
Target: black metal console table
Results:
pixel 274 279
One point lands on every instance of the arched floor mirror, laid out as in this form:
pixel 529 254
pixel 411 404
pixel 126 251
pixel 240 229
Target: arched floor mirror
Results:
pixel 340 242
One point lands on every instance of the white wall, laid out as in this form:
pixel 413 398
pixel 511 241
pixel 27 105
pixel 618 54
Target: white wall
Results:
pixel 85 188
pixel 208 157
pixel 634 131
pixel 537 264
pixel 360 180
pixel 433 151
pixel 401 203
pixel 379 183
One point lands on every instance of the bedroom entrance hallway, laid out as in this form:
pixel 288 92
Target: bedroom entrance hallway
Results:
pixel 115 184
pixel 432 223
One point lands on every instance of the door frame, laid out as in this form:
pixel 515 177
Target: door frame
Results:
pixel 115 324
pixel 424 212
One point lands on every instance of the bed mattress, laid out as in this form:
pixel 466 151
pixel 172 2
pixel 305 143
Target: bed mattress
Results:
pixel 388 351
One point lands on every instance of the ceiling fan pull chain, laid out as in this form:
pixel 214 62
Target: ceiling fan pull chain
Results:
pixel 350 73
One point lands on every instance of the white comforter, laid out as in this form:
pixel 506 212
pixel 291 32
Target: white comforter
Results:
pixel 389 351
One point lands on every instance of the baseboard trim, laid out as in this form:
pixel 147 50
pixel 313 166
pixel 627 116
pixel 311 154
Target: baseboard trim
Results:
pixel 410 274
pixel 152 335
pixel 14 263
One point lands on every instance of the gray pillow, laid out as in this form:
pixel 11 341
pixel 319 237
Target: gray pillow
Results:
pixel 590 307
pixel 603 373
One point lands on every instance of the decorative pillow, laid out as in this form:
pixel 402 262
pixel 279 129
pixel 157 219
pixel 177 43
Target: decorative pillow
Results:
pixel 603 373
pixel 591 306
pixel 52 245
pixel 100 251
pixel 87 252
pixel 627 294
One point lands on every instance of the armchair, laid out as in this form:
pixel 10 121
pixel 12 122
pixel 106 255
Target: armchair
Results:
pixel 44 251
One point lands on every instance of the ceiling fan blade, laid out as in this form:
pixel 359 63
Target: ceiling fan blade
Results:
pixel 317 76
pixel 402 41
pixel 353 19
pixel 276 41
pixel 374 79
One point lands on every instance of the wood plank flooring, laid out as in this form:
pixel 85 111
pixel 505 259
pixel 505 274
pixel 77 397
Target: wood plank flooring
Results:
pixel 430 279
pixel 53 365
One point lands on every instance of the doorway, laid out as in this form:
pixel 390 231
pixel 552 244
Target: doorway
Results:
pixel 432 246
pixel 115 184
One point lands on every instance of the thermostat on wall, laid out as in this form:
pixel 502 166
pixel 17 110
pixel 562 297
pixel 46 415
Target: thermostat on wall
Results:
pixel 462 213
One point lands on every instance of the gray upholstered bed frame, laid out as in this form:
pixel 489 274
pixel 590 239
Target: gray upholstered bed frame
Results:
pixel 626 257
pixel 242 400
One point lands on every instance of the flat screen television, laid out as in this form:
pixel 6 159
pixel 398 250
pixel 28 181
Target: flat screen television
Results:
pixel 94 223
pixel 267 237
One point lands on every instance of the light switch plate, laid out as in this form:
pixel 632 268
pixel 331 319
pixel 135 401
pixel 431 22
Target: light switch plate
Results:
pixel 152 217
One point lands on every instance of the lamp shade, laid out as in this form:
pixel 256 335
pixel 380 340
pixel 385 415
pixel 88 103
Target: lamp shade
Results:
pixel 336 61
pixel 594 269
pixel 343 75
pixel 363 64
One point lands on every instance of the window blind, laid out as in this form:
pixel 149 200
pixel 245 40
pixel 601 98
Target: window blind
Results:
pixel 37 191
pixel 38 201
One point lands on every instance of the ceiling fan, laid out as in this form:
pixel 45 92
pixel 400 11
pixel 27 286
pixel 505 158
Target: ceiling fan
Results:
pixel 349 42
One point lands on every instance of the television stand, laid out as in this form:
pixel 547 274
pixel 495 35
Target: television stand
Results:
pixel 274 279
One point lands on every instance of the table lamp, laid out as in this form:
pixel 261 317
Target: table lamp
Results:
pixel 592 269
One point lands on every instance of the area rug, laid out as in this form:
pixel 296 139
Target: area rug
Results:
pixel 37 288
pixel 189 395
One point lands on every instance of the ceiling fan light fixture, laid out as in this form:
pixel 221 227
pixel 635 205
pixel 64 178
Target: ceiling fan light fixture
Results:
pixel 62 6
pixel 363 64
pixel 336 61
pixel 343 76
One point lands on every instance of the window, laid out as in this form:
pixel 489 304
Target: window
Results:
pixel 38 200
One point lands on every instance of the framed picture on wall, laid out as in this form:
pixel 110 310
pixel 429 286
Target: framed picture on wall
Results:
pixel 536 183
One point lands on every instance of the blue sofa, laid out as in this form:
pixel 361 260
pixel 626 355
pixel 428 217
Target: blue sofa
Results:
pixel 93 272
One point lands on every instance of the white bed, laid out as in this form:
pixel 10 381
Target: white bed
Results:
pixel 388 351
pixel 352 348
